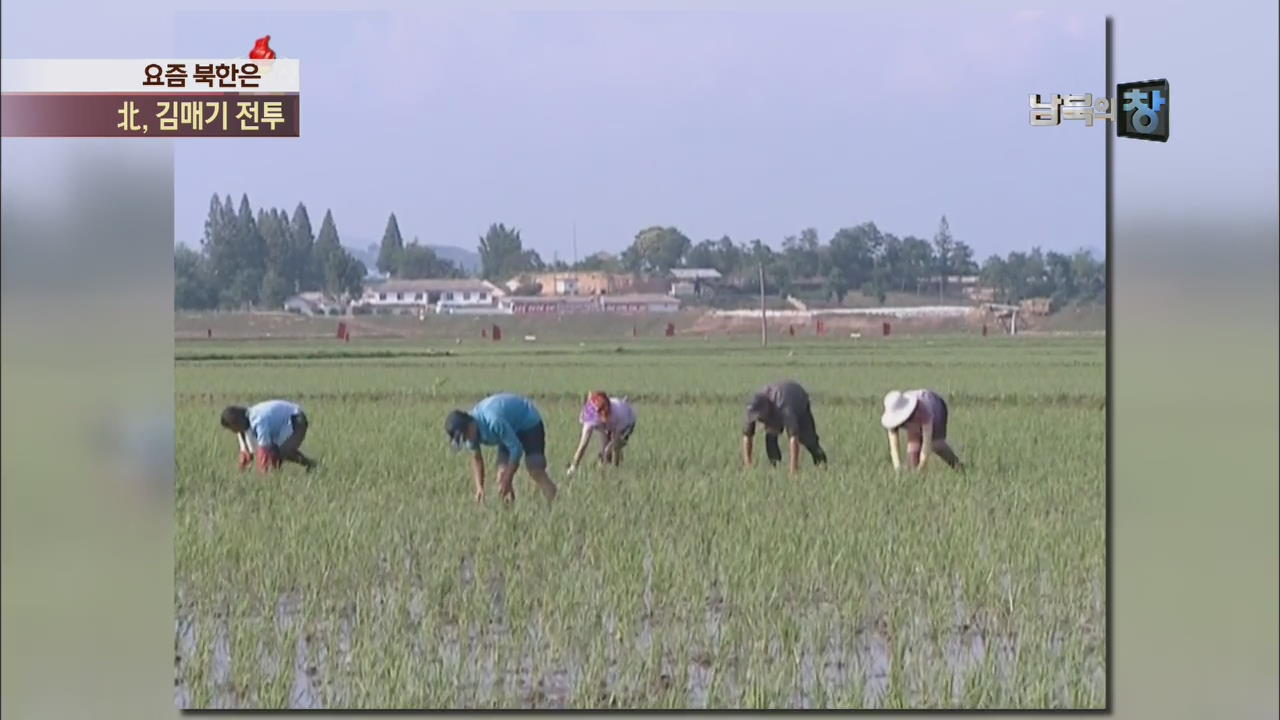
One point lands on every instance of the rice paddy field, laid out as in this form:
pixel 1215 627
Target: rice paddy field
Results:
pixel 679 580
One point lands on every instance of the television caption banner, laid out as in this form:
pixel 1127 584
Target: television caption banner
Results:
pixel 150 98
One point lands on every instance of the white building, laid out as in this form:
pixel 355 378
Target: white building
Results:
pixel 639 303
pixel 314 303
pixel 417 296
pixel 687 282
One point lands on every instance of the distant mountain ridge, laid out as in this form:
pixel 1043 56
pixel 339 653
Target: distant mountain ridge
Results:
pixel 467 260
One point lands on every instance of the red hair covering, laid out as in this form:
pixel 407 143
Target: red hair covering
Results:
pixel 600 401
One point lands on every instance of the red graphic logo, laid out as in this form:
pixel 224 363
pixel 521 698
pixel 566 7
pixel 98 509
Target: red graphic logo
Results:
pixel 262 49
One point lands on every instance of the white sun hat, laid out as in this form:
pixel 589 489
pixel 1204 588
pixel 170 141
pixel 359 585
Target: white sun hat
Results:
pixel 898 406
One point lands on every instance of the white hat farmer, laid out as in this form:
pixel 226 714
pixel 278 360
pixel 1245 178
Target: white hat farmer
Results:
pixel 923 415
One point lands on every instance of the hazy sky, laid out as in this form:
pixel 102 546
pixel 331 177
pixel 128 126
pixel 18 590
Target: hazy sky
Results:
pixel 747 123
pixel 751 124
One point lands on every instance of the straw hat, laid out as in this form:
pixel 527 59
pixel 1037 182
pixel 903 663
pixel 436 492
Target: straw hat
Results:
pixel 898 406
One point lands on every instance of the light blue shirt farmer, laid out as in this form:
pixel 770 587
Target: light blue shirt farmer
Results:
pixel 499 420
pixel 270 421
pixel 275 426
pixel 513 424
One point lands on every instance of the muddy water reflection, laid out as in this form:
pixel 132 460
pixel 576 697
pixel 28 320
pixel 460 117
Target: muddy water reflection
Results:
pixel 833 663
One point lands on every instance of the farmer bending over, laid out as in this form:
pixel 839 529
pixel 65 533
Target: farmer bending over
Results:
pixel 513 424
pixel 782 406
pixel 923 415
pixel 275 426
pixel 613 418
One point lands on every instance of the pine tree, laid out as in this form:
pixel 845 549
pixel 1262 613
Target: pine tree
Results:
pixel 325 257
pixel 218 243
pixel 302 242
pixel 276 285
pixel 342 273
pixel 392 247
pixel 246 286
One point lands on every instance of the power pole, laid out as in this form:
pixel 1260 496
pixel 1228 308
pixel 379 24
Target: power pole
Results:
pixel 764 325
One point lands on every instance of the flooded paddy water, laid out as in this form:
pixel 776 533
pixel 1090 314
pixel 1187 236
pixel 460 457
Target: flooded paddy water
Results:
pixel 868 663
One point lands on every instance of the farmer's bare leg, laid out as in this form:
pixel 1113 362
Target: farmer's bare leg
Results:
pixel 606 449
pixel 544 482
pixel 913 453
pixel 506 471
pixel 537 467
pixel 944 451
pixel 611 454
pixel 793 456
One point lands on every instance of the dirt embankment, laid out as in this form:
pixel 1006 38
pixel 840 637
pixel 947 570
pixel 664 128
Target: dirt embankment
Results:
pixel 287 326
pixel 843 326
pixel 1083 320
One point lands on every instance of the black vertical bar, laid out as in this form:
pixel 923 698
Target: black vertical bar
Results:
pixel 1109 249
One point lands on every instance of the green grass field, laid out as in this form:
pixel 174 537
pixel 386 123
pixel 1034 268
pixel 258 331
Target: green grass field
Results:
pixel 677 581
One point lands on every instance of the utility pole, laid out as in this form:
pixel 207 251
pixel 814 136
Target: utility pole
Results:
pixel 764 325
pixel 573 269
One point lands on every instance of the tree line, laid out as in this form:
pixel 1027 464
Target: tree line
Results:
pixel 259 260
pixel 865 259
pixel 860 258
pixel 856 258
pixel 248 260
pixel 1078 277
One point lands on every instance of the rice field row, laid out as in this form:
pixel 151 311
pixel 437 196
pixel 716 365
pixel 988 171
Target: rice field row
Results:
pixel 677 581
